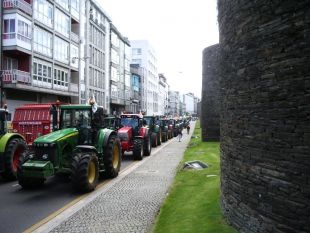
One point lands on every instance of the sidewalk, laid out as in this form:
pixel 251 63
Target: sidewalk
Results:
pixel 130 202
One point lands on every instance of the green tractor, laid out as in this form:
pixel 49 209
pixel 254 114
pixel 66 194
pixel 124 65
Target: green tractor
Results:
pixel 12 145
pixel 156 132
pixel 166 130
pixel 81 148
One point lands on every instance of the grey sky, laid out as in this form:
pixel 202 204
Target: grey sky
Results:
pixel 178 31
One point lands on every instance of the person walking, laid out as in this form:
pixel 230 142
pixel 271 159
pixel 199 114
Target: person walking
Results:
pixel 180 134
pixel 188 128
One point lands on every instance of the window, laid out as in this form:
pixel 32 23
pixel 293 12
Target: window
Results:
pixel 9 29
pixel 114 56
pixel 63 3
pixel 62 23
pixel 61 50
pixel 114 92
pixel 24 31
pixel 42 41
pixel 42 73
pixel 10 63
pixel 43 12
pixel 114 75
pixel 75 8
pixel 60 78
pixel 136 51
pixel 127 80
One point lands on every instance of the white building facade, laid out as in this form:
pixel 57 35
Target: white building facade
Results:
pixel 144 55
pixel 163 95
pixel 188 100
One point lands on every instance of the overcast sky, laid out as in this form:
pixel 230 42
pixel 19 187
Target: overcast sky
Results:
pixel 178 31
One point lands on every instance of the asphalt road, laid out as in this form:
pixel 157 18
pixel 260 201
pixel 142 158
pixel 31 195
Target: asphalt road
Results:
pixel 21 209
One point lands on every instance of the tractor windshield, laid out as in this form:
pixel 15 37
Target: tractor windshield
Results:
pixel 147 120
pixel 75 118
pixel 131 122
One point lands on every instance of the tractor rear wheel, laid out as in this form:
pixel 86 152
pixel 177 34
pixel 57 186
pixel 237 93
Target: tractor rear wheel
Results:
pixel 137 149
pixel 112 157
pixel 154 140
pixel 85 171
pixel 27 182
pixel 14 150
pixel 147 147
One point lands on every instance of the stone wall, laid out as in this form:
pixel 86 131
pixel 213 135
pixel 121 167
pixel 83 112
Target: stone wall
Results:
pixel 265 115
pixel 210 98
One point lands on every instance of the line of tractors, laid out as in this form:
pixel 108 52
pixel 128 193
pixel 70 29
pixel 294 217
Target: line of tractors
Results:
pixel 78 141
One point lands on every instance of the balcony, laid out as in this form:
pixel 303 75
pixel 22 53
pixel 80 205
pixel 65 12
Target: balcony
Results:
pixel 18 4
pixel 15 76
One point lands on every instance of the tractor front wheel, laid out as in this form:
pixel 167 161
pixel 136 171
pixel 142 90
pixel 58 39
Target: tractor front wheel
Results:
pixel 85 171
pixel 164 137
pixel 154 140
pixel 27 182
pixel 112 157
pixel 147 146
pixel 137 149
pixel 14 150
pixel 159 137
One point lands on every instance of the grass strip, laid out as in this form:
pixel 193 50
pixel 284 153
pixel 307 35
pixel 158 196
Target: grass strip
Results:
pixel 193 203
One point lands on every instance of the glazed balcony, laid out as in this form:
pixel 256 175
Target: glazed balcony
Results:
pixel 18 4
pixel 15 76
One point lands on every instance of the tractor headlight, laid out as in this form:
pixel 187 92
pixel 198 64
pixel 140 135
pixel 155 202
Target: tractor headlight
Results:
pixel 45 156
pixel 45 145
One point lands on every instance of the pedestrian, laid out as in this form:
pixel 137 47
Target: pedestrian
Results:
pixel 188 128
pixel 180 134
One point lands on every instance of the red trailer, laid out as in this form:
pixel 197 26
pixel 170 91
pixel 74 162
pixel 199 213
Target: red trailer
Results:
pixel 34 120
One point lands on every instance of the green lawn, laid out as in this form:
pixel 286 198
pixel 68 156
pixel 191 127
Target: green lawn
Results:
pixel 193 203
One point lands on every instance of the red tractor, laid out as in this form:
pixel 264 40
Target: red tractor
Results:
pixel 135 136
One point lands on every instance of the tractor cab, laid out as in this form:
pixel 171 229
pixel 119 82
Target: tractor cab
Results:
pixel 84 120
pixel 134 121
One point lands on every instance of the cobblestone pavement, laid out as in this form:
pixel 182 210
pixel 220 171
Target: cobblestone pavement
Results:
pixel 132 201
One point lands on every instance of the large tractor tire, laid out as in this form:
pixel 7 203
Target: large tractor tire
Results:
pixel 154 140
pixel 112 157
pixel 137 149
pixel 85 171
pixel 164 136
pixel 147 147
pixel 159 135
pixel 27 182
pixel 14 150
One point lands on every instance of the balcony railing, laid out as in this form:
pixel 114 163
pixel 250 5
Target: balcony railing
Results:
pixel 15 76
pixel 19 4
pixel 75 37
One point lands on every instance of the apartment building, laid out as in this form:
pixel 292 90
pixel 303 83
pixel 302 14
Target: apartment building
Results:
pixel 97 56
pixel 144 55
pixel 163 90
pixel 120 83
pixel 174 103
pixel 137 75
pixel 40 41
